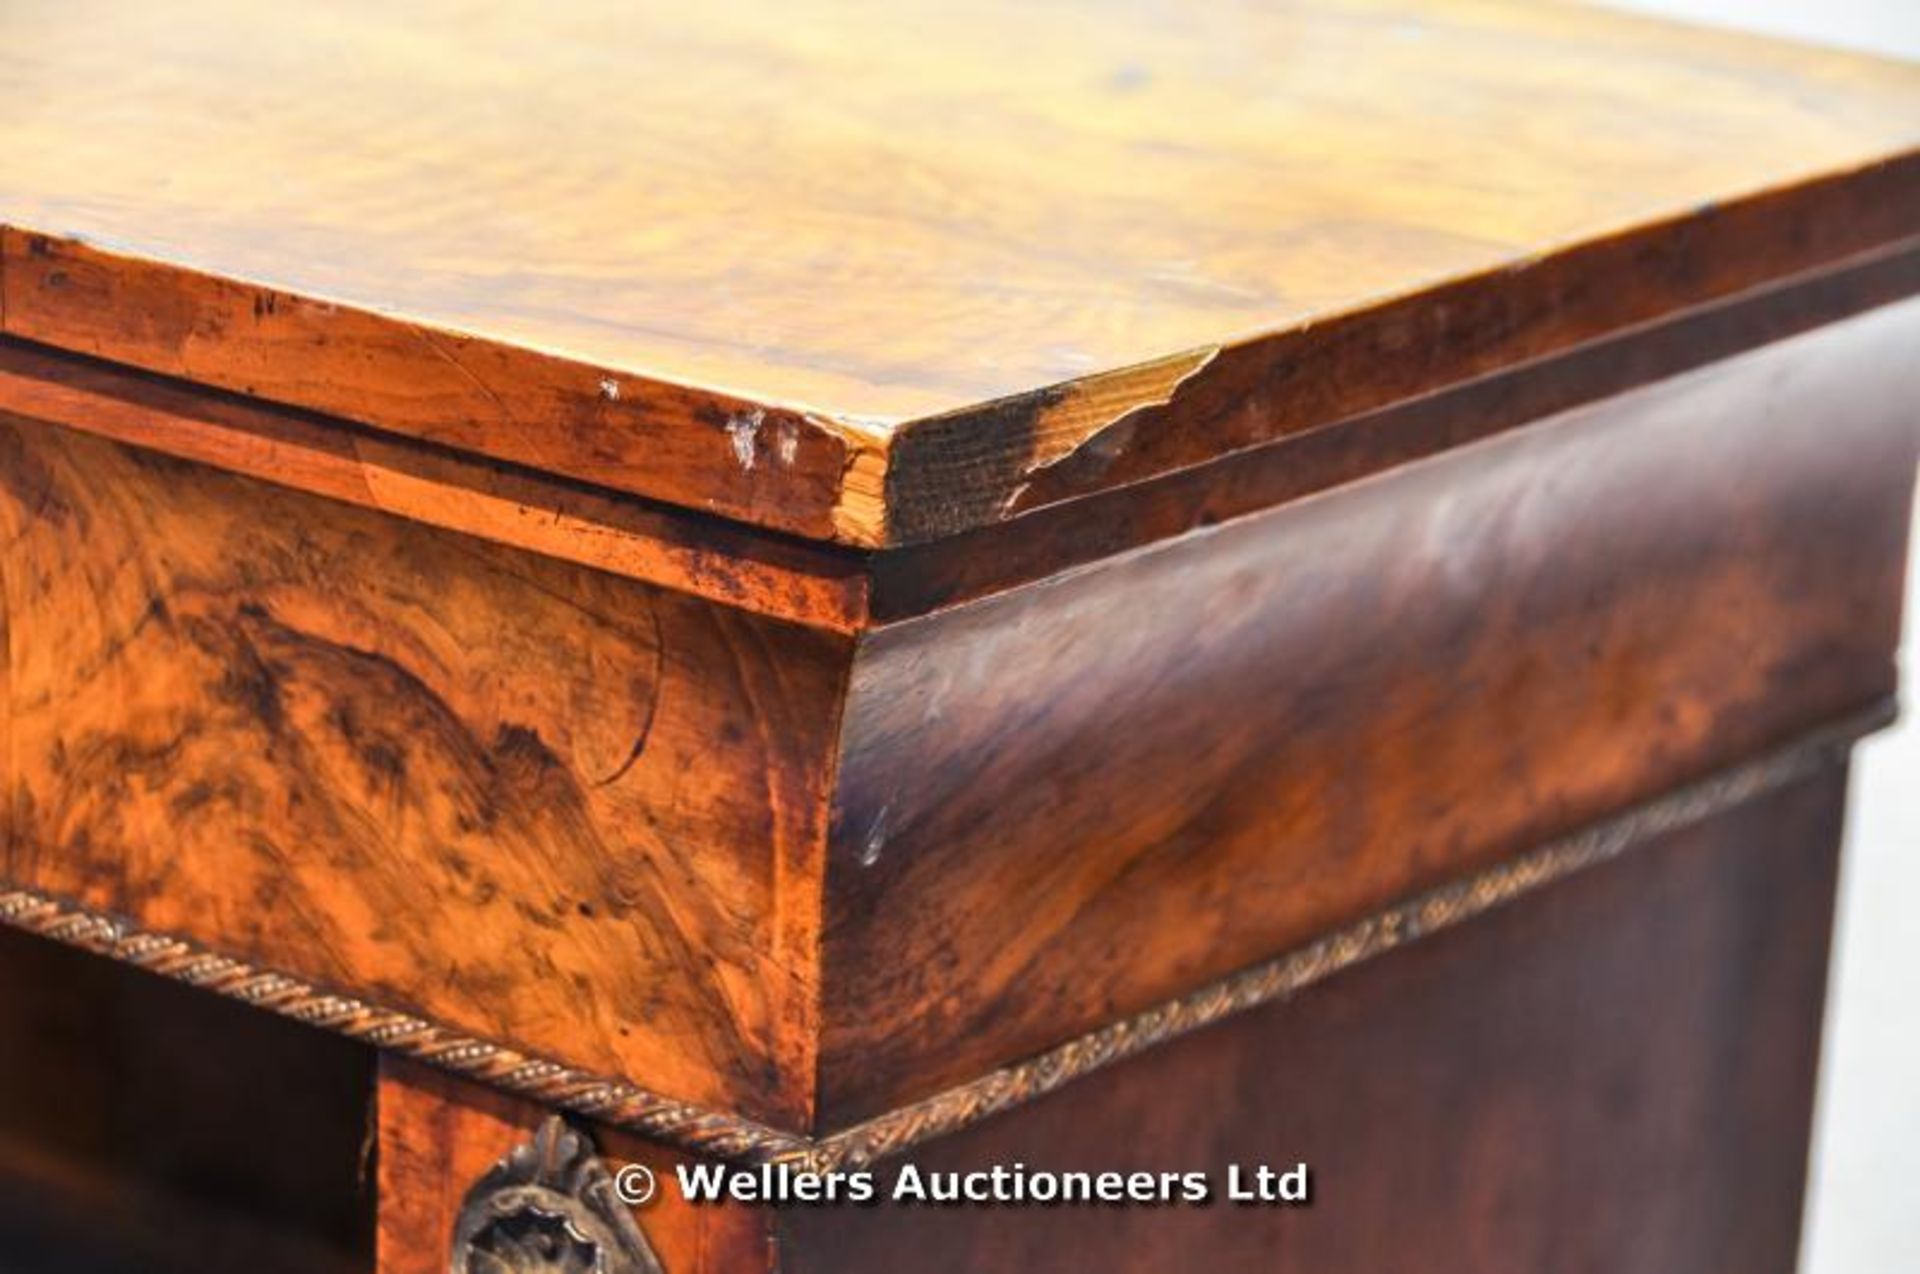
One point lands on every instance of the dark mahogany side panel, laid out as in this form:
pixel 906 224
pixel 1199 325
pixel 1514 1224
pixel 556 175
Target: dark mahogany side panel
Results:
pixel 1611 1076
pixel 1066 803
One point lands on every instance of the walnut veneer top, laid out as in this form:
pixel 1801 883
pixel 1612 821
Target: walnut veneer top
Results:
pixel 733 256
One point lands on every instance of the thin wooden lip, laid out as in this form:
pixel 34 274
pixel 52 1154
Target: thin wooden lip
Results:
pixel 905 482
pixel 736 1139
pixel 912 581
pixel 819 585
pixel 848 591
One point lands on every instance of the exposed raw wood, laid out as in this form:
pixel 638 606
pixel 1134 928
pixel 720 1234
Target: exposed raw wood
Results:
pixel 843 591
pixel 911 581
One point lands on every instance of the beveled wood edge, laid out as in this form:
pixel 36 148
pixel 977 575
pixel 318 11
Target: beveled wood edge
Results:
pixel 531 406
pixel 882 483
pixel 852 591
pixel 735 1139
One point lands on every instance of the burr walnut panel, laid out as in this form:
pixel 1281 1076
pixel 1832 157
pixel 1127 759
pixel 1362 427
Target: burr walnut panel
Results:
pixel 549 806
pixel 856 585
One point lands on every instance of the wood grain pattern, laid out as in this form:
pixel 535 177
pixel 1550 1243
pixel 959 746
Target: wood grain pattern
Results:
pixel 913 580
pixel 438 1135
pixel 607 425
pixel 731 1138
pixel 810 584
pixel 1071 801
pixel 770 568
pixel 836 588
pixel 1406 922
pixel 839 589
pixel 609 801
pixel 432 726
pixel 542 804
pixel 982 466
pixel 1612 1076
pixel 790 270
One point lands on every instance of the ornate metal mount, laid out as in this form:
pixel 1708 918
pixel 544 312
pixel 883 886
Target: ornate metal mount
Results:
pixel 549 1207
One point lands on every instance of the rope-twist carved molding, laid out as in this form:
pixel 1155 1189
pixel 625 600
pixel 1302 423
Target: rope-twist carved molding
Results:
pixel 733 1138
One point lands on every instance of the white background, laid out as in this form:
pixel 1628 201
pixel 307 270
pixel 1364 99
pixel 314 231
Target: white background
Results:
pixel 1863 1212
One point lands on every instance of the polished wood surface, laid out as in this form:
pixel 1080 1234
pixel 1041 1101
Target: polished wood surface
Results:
pixel 804 877
pixel 772 267
pixel 1067 803
pixel 841 580
pixel 907 582
pixel 842 590
pixel 1612 1076
pixel 437 1136
pixel 546 805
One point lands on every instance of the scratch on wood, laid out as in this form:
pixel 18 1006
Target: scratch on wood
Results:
pixel 744 429
pixel 876 838
pixel 653 704
pixel 432 342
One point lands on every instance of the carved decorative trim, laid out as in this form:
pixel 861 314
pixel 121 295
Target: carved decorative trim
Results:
pixel 735 1139
pixel 709 1133
pixel 1384 931
pixel 549 1207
